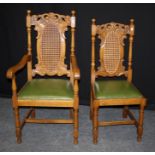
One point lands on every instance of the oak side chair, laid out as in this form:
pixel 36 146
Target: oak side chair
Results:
pixel 47 92
pixel 109 90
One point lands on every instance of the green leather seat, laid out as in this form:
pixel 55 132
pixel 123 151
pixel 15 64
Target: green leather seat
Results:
pixel 47 89
pixel 115 89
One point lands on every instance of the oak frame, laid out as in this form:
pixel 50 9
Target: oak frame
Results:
pixel 95 104
pixel 73 73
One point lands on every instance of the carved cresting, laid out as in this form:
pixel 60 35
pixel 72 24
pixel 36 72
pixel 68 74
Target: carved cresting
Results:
pixel 112 37
pixel 51 45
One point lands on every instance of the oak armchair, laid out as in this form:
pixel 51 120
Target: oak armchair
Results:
pixel 51 92
pixel 106 88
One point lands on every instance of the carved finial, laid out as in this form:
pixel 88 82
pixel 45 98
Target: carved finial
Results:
pixel 28 12
pixel 28 18
pixel 93 27
pixel 132 27
pixel 93 21
pixel 73 19
pixel 73 12
pixel 132 21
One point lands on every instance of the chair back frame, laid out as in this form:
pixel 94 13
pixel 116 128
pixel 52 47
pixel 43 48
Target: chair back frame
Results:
pixel 112 37
pixel 51 49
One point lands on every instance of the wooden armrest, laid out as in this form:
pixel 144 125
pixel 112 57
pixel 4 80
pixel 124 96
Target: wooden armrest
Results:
pixel 11 71
pixel 75 68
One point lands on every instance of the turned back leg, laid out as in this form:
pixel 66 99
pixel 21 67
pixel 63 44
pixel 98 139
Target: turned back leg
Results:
pixel 76 126
pixel 125 112
pixel 95 124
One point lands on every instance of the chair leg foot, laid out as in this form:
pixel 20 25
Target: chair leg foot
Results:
pixel 75 141
pixel 18 128
pixel 139 133
pixel 76 125
pixel 95 126
pixel 125 112
pixel 139 139
pixel 95 135
pixel 140 123
pixel 95 141
pixel 18 135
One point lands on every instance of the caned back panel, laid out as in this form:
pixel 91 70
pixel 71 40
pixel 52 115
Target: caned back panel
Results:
pixel 51 43
pixel 111 54
pixel 50 47
pixel 112 48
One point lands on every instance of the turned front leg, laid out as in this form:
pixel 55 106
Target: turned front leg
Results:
pixel 76 126
pixel 140 123
pixel 95 125
pixel 91 108
pixel 17 123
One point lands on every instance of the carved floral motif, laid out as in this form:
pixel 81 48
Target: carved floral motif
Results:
pixel 118 33
pixel 61 22
pixel 121 29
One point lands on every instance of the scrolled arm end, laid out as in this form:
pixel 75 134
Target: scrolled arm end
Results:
pixel 11 71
